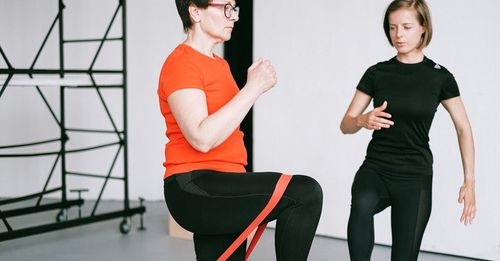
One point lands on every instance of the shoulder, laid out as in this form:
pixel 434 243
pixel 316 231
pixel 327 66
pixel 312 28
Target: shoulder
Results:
pixel 437 67
pixel 179 59
pixel 369 77
pixel 380 65
pixel 180 70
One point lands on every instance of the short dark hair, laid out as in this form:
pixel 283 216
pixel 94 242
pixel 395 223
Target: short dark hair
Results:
pixel 423 17
pixel 183 10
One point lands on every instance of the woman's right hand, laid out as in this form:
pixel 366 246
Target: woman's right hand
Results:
pixel 261 76
pixel 376 119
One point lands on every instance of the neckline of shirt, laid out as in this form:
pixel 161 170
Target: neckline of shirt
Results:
pixel 395 60
pixel 198 53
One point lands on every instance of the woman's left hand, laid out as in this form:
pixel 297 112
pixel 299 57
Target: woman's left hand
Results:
pixel 467 195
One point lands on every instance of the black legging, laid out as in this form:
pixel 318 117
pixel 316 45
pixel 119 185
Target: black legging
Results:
pixel 410 199
pixel 218 206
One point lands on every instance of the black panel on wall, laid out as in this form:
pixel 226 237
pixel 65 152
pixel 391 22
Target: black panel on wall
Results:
pixel 239 53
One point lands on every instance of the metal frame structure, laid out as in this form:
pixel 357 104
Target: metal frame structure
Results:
pixel 60 162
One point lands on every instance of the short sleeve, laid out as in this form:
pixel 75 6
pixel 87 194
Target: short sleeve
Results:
pixel 366 84
pixel 449 88
pixel 179 74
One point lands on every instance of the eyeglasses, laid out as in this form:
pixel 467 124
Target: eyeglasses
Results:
pixel 229 9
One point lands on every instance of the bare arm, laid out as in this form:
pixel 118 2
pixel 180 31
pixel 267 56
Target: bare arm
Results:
pixel 456 109
pixel 354 119
pixel 205 132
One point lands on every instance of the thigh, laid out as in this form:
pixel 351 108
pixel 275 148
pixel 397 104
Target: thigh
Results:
pixel 209 202
pixel 411 209
pixel 369 193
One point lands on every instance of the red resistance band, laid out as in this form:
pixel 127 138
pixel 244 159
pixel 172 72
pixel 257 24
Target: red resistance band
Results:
pixel 275 198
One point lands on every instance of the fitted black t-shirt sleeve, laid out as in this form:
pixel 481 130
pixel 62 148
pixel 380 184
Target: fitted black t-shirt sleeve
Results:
pixel 367 81
pixel 450 88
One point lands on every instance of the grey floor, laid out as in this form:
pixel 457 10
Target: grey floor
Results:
pixel 103 241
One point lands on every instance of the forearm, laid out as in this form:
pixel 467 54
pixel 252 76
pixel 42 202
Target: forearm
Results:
pixel 217 127
pixel 350 124
pixel 466 144
pixel 206 131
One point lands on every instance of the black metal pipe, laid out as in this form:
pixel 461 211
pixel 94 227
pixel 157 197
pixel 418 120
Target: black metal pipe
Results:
pixel 28 155
pixel 62 102
pixel 110 86
pixel 41 208
pixel 105 35
pixel 70 223
pixel 46 38
pixel 48 179
pixel 48 106
pixel 5 57
pixel 123 4
pixel 108 113
pixel 92 130
pixel 106 180
pixel 5 84
pixel 91 175
pixel 27 197
pixel 58 152
pixel 57 71
pixel 29 144
pixel 9 228
pixel 92 40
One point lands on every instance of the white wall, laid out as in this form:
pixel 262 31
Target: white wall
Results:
pixel 320 50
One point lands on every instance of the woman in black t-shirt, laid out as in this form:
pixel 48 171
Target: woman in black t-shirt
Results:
pixel 397 171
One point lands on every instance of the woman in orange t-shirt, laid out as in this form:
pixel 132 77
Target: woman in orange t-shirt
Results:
pixel 206 187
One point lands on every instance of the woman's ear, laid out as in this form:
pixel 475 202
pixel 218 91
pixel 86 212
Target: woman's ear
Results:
pixel 194 13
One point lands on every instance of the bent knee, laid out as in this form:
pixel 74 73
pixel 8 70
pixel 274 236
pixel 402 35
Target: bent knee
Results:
pixel 307 189
pixel 365 204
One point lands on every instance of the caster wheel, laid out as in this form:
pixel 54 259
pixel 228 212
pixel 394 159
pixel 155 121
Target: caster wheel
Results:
pixel 125 226
pixel 62 215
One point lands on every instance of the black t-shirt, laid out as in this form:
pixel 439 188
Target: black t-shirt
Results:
pixel 413 92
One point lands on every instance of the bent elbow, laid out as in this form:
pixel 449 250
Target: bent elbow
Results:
pixel 344 129
pixel 203 148
pixel 348 125
pixel 200 140
pixel 200 145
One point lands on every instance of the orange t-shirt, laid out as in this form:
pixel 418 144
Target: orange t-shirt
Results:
pixel 188 68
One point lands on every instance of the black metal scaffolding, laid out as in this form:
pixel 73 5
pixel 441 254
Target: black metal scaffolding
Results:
pixel 65 84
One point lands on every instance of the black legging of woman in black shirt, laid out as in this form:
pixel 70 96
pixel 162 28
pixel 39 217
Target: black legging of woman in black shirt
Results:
pixel 218 206
pixel 410 197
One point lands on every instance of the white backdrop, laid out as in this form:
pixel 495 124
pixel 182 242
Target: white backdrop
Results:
pixel 320 50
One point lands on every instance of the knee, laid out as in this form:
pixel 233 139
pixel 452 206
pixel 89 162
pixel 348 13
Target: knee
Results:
pixel 364 205
pixel 308 190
